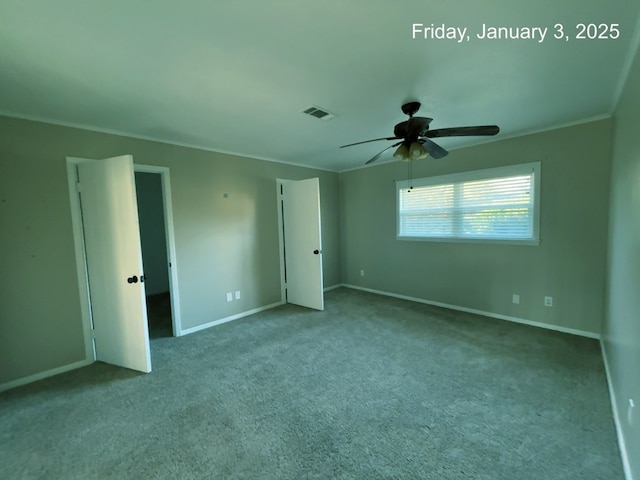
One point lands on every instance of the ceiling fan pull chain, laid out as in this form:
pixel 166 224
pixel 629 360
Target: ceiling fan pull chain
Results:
pixel 410 162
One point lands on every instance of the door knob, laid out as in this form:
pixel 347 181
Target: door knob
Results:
pixel 133 279
pixel 316 252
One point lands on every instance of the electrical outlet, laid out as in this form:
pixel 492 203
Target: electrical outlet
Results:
pixel 229 296
pixel 548 301
pixel 362 273
pixel 237 294
pixel 516 298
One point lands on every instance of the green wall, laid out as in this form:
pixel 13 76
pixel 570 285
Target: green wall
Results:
pixel 621 335
pixel 222 244
pixel 569 263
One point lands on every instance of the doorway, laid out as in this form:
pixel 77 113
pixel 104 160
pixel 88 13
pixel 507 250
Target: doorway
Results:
pixel 88 290
pixel 170 303
pixel 153 242
pixel 300 236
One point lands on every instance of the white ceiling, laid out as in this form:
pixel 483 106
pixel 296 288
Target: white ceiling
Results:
pixel 233 76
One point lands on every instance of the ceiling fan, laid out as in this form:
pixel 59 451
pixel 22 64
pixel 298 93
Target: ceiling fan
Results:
pixel 415 137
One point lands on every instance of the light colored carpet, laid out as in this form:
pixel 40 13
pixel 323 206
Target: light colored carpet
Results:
pixel 371 388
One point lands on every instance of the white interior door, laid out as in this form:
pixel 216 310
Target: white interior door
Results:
pixel 303 243
pixel 114 262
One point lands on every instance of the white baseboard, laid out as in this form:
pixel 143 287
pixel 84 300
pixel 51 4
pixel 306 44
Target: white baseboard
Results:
pixel 42 375
pixel 229 319
pixel 83 363
pixel 499 316
pixel 333 287
pixel 616 416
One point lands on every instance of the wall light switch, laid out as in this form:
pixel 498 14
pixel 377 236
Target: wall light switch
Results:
pixel 237 294
pixel 516 298
pixel 362 273
pixel 229 296
pixel 548 301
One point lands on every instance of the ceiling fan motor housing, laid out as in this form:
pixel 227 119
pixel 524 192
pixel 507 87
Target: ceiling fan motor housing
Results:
pixel 410 108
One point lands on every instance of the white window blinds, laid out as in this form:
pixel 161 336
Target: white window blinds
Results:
pixel 493 204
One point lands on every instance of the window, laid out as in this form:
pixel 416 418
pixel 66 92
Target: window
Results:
pixel 497 204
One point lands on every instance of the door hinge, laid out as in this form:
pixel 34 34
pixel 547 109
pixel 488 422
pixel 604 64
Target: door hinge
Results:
pixel 78 189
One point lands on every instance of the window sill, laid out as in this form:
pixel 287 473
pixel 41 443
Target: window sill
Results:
pixel 491 241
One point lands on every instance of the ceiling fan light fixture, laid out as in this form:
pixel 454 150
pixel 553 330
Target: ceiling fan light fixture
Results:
pixel 417 151
pixel 402 153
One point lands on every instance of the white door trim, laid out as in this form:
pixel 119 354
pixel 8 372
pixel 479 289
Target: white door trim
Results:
pixel 81 259
pixel 283 283
pixel 171 241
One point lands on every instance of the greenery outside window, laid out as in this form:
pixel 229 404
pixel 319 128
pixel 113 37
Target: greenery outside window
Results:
pixel 495 205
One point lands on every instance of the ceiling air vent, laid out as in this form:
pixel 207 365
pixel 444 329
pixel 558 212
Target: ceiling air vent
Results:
pixel 318 113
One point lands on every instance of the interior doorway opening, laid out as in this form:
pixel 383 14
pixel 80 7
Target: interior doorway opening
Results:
pixel 155 217
pixel 153 242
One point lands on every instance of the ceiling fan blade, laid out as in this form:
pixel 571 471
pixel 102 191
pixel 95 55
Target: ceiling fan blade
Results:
pixel 373 159
pixel 373 140
pixel 435 150
pixel 463 131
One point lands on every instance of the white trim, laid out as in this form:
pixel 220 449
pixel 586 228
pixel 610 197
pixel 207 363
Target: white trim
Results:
pixel 35 118
pixel 42 375
pixel 333 287
pixel 497 138
pixel 164 172
pixel 204 326
pixel 283 284
pixel 81 263
pixel 616 416
pixel 548 326
pixel 492 241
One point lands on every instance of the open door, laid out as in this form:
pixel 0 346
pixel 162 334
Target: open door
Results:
pixel 114 262
pixel 302 242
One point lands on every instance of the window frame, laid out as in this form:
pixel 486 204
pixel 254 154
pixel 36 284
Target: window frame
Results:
pixel 471 176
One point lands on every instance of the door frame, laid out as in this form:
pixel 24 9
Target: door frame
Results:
pixel 281 250
pixel 281 244
pixel 81 259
